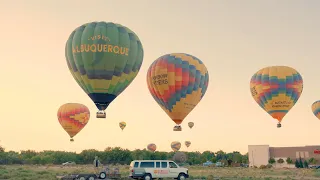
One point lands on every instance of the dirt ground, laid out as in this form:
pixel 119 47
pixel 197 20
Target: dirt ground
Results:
pixel 34 172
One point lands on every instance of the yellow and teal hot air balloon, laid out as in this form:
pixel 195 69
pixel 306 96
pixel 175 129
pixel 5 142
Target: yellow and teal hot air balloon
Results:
pixel 175 146
pixel 177 82
pixel 276 89
pixel 73 117
pixel 103 58
pixel 316 109
pixel 122 125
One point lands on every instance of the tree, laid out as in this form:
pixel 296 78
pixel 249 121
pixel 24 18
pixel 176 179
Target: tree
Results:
pixel 280 161
pixel 272 160
pixel 297 164
pixel 305 164
pixel 289 160
pixel 312 161
pixel 1 149
pixel 300 163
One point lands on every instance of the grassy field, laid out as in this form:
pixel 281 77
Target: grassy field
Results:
pixel 33 172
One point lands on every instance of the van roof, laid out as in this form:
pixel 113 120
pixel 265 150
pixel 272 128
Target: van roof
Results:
pixel 153 160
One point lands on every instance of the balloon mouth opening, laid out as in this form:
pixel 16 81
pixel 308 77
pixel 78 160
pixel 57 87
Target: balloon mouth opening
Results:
pixel 278 125
pixel 101 114
pixel 71 140
pixel 177 128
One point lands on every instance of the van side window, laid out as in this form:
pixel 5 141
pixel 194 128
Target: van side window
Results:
pixel 157 164
pixel 147 165
pixel 164 164
pixel 136 164
pixel 172 165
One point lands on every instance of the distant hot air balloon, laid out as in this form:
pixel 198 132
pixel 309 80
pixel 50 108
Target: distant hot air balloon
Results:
pixel 187 143
pixel 152 147
pixel 177 82
pixel 276 89
pixel 316 109
pixel 73 117
pixel 103 58
pixel 190 124
pixel 122 125
pixel 175 145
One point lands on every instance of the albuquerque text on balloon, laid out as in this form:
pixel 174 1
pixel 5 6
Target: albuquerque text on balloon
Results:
pixel 177 82
pixel 103 58
pixel 276 89
pixel 73 117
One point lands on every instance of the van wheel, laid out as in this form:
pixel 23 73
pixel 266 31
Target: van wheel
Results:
pixel 147 177
pixel 181 177
pixel 91 178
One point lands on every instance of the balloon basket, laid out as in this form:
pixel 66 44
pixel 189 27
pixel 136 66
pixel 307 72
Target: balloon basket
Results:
pixel 177 128
pixel 71 140
pixel 279 125
pixel 101 114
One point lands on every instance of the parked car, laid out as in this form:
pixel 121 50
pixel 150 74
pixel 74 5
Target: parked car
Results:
pixel 151 169
pixel 314 166
pixel 208 163
pixel 219 164
pixel 244 165
pixel 69 163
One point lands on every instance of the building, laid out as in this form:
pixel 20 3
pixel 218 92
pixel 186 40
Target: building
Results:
pixel 260 154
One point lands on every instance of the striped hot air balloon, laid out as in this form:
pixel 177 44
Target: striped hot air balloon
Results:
pixel 187 143
pixel 276 89
pixel 122 125
pixel 316 109
pixel 175 146
pixel 177 82
pixel 152 147
pixel 73 117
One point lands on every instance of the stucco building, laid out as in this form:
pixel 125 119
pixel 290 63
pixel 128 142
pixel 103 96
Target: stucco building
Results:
pixel 260 154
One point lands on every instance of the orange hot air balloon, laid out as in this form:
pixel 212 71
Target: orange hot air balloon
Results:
pixel 73 117
pixel 152 147
pixel 175 146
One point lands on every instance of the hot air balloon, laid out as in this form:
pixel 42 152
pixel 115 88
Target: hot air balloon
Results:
pixel 276 89
pixel 316 109
pixel 187 143
pixel 175 146
pixel 177 82
pixel 152 147
pixel 122 125
pixel 190 124
pixel 73 117
pixel 103 58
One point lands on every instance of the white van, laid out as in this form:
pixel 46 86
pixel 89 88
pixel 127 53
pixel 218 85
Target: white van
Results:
pixel 150 169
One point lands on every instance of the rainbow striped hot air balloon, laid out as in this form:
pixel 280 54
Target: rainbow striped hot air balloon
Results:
pixel 276 89
pixel 175 146
pixel 122 125
pixel 177 82
pixel 316 108
pixel 73 117
pixel 152 147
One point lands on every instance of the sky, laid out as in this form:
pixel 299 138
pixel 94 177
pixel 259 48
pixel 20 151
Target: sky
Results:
pixel 233 38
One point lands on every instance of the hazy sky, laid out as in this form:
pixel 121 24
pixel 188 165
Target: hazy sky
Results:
pixel 233 38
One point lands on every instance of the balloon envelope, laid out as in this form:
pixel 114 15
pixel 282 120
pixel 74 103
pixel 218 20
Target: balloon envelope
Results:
pixel 122 125
pixel 187 143
pixel 177 82
pixel 190 124
pixel 276 89
pixel 151 147
pixel 73 117
pixel 316 109
pixel 175 145
pixel 103 58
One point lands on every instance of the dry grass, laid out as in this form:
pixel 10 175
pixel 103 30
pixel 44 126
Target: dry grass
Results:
pixel 33 172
